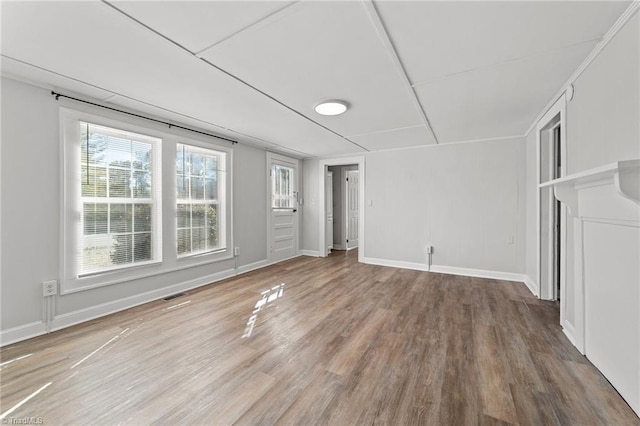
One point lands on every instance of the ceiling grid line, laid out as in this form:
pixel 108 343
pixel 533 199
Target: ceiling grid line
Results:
pixel 629 12
pixel 272 98
pixel 474 71
pixel 241 30
pixel 113 94
pixel 500 64
pixel 377 132
pixel 376 20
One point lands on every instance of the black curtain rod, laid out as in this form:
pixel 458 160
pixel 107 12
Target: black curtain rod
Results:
pixel 60 95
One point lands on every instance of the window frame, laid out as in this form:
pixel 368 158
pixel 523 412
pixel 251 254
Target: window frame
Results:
pixel 154 200
pixel 221 203
pixel 70 222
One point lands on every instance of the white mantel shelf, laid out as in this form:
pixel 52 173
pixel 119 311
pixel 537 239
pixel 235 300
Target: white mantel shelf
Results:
pixel 604 203
pixel 624 175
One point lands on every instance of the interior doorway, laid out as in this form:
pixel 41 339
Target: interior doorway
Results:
pixel 341 208
pixel 552 223
pixel 342 204
pixel 330 206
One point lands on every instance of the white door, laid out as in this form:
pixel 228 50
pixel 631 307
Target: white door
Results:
pixel 353 203
pixel 328 187
pixel 283 206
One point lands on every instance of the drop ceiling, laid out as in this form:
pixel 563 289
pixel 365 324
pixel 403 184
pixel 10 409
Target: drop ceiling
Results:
pixel 414 73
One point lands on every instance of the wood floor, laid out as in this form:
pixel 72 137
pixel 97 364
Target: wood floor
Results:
pixel 317 341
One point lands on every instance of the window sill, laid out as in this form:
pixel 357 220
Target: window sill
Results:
pixel 78 287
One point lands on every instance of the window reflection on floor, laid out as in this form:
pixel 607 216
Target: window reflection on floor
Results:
pixel 266 298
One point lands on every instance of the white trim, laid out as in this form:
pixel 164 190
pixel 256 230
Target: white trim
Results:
pixel 532 285
pixel 570 332
pixel 396 264
pixel 93 312
pixel 341 161
pixel 479 273
pixel 558 108
pixel 467 272
pixel 22 332
pixel 168 260
pixel 252 266
pixel 617 26
pixel 312 253
pixel 151 273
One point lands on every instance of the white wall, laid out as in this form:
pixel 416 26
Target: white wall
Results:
pixel 602 118
pixel 602 126
pixel 310 213
pixel 602 122
pixel 465 200
pixel 31 208
pixel 531 207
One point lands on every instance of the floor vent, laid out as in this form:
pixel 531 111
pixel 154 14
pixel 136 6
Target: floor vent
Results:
pixel 173 296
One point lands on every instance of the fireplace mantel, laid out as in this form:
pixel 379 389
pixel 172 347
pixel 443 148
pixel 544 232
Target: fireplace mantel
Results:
pixel 623 176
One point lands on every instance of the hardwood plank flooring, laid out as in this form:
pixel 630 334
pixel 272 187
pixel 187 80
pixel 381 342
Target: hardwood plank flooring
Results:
pixel 316 341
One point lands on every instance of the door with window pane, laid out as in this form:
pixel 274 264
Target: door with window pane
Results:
pixel 283 207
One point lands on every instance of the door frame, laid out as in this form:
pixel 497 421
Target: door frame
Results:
pixel 271 156
pixel 322 169
pixel 329 231
pixel 547 291
pixel 346 208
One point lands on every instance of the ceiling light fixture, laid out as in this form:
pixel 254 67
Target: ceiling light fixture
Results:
pixel 332 107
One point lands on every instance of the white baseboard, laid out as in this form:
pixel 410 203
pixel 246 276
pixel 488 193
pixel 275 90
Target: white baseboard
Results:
pixel 22 332
pixel 395 264
pixel 478 273
pixel 252 266
pixel 93 312
pixel 533 287
pixel 570 332
pixel 339 247
pixel 312 253
pixel 467 272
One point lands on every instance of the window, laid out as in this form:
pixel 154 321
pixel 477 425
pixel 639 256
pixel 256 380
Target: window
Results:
pixel 200 195
pixel 282 195
pixel 122 219
pixel 118 199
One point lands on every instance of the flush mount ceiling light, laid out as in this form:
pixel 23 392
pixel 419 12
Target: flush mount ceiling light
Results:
pixel 332 107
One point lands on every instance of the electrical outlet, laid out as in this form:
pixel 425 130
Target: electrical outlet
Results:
pixel 236 251
pixel 49 288
pixel 429 249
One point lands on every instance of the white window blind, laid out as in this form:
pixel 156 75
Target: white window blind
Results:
pixel 201 200
pixel 119 199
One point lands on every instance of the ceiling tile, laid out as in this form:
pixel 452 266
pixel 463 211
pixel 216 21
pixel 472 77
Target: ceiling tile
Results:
pixel 40 77
pixel 393 139
pixel 435 39
pixel 106 49
pixel 197 25
pixel 497 101
pixel 315 51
